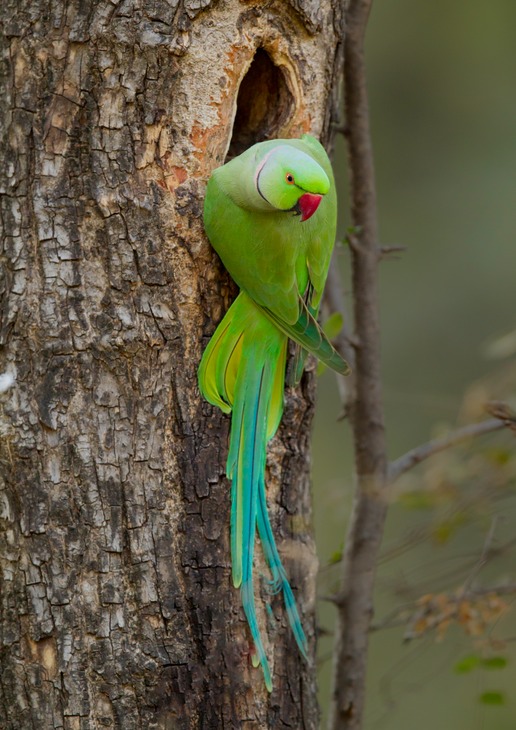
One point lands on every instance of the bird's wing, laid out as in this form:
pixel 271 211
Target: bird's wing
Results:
pixel 307 333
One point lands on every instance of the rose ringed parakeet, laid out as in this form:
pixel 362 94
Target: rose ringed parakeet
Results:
pixel 270 214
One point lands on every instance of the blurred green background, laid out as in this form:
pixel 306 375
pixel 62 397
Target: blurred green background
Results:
pixel 442 84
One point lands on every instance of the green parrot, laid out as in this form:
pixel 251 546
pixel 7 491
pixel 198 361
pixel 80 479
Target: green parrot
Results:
pixel 270 214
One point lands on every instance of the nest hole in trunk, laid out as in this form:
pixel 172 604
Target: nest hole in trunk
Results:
pixel 264 104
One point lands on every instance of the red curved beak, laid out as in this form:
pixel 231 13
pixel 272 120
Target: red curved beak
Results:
pixel 308 204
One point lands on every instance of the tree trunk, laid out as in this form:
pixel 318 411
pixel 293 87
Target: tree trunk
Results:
pixel 117 607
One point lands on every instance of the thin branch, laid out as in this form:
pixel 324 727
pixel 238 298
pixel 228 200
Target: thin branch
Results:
pixel 505 589
pixel 449 577
pixel 355 596
pixel 388 251
pixel 410 613
pixel 484 556
pixel 401 615
pixel 425 451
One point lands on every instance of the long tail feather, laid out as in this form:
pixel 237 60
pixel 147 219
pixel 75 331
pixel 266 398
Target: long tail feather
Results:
pixel 279 576
pixel 249 472
pixel 243 370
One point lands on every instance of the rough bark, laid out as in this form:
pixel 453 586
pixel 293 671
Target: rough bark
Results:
pixel 117 608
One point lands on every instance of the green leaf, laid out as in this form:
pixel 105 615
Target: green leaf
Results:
pixel 333 325
pixel 467 664
pixel 492 698
pixel 500 456
pixel 336 557
pixel 495 662
pixel 321 368
pixel 446 529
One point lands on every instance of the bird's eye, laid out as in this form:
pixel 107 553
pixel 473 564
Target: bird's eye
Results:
pixel 289 177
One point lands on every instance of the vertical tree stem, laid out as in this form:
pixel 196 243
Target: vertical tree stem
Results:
pixel 354 600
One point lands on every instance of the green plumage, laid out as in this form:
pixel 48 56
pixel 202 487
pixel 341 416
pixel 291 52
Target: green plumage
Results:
pixel 271 216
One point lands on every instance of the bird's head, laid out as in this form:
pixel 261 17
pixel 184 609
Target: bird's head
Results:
pixel 291 181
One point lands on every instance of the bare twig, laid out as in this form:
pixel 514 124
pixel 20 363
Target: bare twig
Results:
pixel 505 589
pixel 424 451
pixel 448 577
pixel 402 614
pixel 434 609
pixel 388 251
pixel 499 409
pixel 354 600
pixel 484 556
